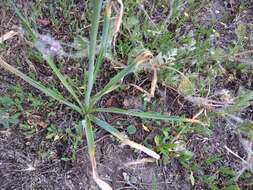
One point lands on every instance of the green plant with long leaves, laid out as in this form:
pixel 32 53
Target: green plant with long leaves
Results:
pixel 87 107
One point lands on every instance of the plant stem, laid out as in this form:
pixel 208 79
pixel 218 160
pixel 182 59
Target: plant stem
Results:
pixel 97 4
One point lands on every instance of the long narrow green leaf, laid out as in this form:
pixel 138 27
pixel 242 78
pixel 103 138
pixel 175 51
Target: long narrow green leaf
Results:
pixel 48 92
pixel 105 38
pixel 56 71
pixel 89 136
pixel 141 58
pixel 124 139
pixel 24 21
pixel 97 5
pixel 107 127
pixel 146 115
pixel 91 147
pixel 113 82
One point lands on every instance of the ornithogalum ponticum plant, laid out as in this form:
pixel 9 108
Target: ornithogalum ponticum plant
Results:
pixel 87 109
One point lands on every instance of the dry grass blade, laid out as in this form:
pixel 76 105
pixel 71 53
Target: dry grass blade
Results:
pixel 207 103
pixel 8 36
pixel 140 89
pixel 118 21
pixel 141 148
pixel 103 185
pixel 143 57
pixel 246 164
pixel 171 4
pixel 153 84
pixel 140 161
pixel 244 53
pixel 152 89
pixel 108 9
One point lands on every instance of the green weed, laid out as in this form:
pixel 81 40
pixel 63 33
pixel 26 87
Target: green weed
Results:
pixel 189 63
pixel 87 109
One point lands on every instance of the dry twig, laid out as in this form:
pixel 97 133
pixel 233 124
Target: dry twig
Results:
pixel 8 36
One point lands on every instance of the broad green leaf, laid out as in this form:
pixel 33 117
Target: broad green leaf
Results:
pixel 226 171
pixel 110 86
pixel 131 130
pixel 6 102
pixel 185 156
pixel 49 92
pixel 8 120
pixel 232 187
pixel 213 159
pixel 210 181
pixel 62 79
